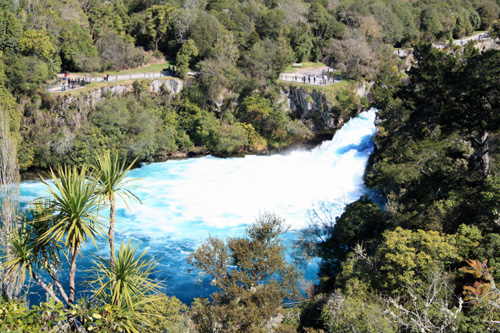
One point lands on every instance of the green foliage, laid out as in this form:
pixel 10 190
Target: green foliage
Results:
pixel 37 43
pixel 432 158
pixel 388 20
pixel 77 49
pixel 11 30
pixel 187 51
pixel 126 284
pixel 172 317
pixel 405 254
pixel 205 32
pixel 76 201
pixel 322 24
pixel 253 277
pixel 358 312
pixel 488 12
pixel 361 223
pixel 255 140
pixel 158 20
pixel 132 126
pixel 256 111
pixel 15 317
pixel 301 41
pixel 271 122
pixel 19 81
pixel 270 25
pixel 430 22
pixel 105 18
pixel 88 143
pixel 228 139
pixel 8 106
pixel 51 317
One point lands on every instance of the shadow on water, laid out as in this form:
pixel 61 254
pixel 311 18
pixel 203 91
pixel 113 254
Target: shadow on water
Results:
pixel 365 145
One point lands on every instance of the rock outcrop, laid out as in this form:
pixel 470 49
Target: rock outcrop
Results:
pixel 172 86
pixel 312 109
pixel 363 88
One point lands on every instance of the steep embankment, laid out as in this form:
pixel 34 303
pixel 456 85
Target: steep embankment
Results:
pixel 325 109
pixel 153 120
pixel 91 96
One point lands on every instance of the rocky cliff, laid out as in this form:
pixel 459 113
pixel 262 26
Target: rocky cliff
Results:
pixel 172 86
pixel 316 110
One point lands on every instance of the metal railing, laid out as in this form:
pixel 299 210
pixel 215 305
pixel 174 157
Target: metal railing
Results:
pixel 318 80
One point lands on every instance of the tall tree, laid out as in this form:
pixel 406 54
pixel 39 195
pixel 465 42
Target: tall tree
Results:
pixel 9 201
pixel 29 254
pixel 184 56
pixel 158 19
pixel 76 201
pixel 252 274
pixel 111 176
pixel 353 57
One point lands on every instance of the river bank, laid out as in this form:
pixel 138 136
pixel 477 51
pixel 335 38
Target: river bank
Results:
pixel 34 174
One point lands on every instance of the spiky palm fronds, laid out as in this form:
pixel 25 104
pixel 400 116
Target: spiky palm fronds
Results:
pixel 75 200
pixel 127 284
pixel 111 175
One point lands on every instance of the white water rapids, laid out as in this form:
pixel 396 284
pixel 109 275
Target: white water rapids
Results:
pixel 186 200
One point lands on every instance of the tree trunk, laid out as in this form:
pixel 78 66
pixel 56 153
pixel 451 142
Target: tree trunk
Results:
pixel 112 212
pixel 54 277
pixel 42 284
pixel 72 274
pixel 485 157
pixel 9 201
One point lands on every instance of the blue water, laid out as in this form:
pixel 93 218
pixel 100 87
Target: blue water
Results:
pixel 184 201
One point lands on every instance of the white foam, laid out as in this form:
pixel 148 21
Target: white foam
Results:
pixel 186 198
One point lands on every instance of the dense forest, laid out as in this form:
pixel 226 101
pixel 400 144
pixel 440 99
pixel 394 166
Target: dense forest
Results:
pixel 426 260
pixel 419 254
pixel 238 49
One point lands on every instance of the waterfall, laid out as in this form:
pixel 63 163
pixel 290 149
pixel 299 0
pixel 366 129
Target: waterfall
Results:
pixel 186 200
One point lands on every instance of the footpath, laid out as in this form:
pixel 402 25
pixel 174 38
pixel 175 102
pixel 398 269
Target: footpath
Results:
pixel 78 81
pixel 402 53
pixel 317 76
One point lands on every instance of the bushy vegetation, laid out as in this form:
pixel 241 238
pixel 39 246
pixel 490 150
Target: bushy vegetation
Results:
pixel 237 48
pixel 424 260
pixel 429 254
pixel 153 127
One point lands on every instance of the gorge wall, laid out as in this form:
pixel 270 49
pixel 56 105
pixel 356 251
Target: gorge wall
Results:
pixel 319 112
pixel 172 86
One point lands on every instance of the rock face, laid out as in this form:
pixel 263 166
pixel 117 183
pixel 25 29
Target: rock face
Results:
pixel 487 44
pixel 311 108
pixel 173 86
pixel 363 88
